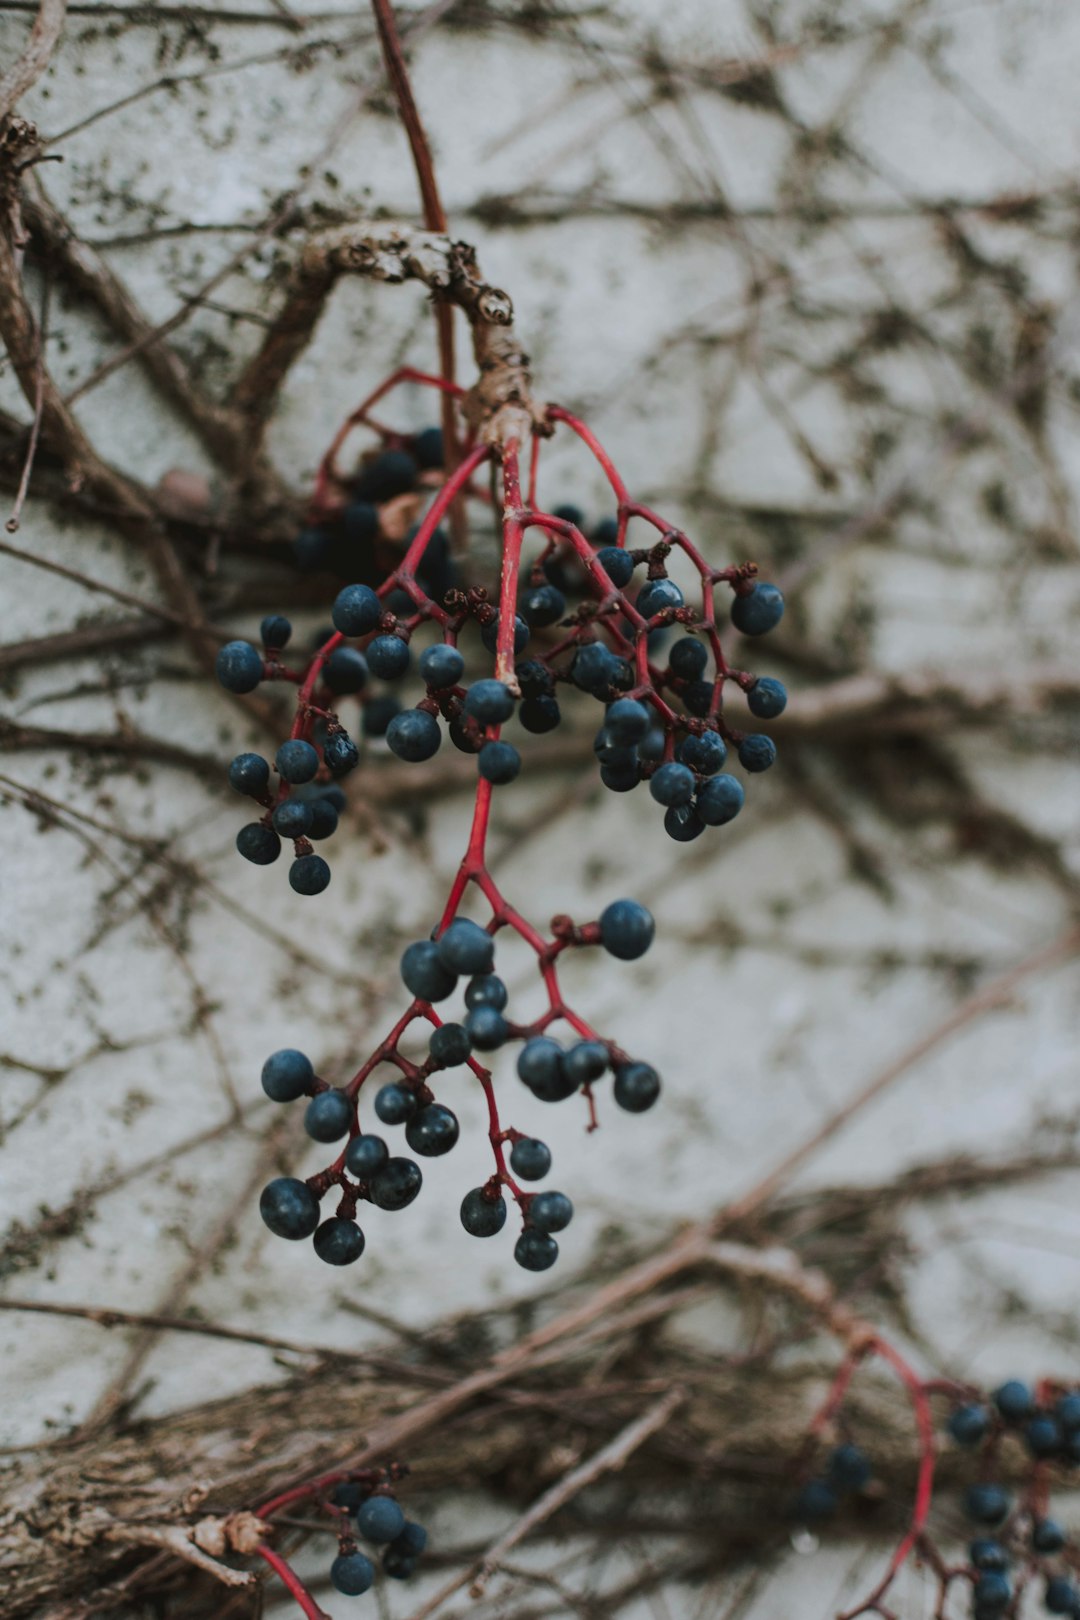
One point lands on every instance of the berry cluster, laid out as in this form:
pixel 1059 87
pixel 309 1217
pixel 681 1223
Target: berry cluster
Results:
pixel 378 1520
pixel 847 1472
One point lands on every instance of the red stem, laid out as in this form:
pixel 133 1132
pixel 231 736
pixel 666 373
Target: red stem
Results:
pixel 289 1578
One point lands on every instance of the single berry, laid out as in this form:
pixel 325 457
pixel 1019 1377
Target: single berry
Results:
pixel 991 1594
pixel 542 605
pixel 239 666
pixel 441 666
pixel 759 611
pixel 487 1028
pixel 535 1251
pixel 340 754
pixel 489 634
pixel 617 564
pixel 657 594
pixel 364 1156
pixel 389 474
pixel 697 698
pixel 334 796
pixel 427 448
pixel 1043 1436
pixel 296 760
pixel 345 671
pixel 1061 1596
pixel 486 991
pixel 1047 1536
pixel 757 753
pixel 258 843
pixel 465 947
pixel 449 1045
pixel 250 774
pixel 594 668
pixel 397 1564
pixel 498 763
pixel 621 778
pixel 360 524
pixel 1014 1401
pixel 311 549
pixel 292 818
pixel 534 679
pixel 349 1494
pixel 719 800
pixel 550 1211
pixel 286 1075
pixel 626 720
pixel 626 929
pixel 704 754
pixel 987 1504
pixel 433 1131
pixel 482 1216
pixel 396 1184
pixel 986 1554
pixel 412 1540
pixel 585 1061
pixel 849 1468
pixel 651 746
pixel 816 1501
pixel 388 657
pixel 489 702
pixel 636 1088
pixel 570 514
pixel 1067 1410
pixel 539 715
pixel 339 1242
pixel 617 755
pixel 969 1424
pixel 309 874
pixel 380 1519
pixel 688 658
pixel 378 712
pixel 324 819
pixel 395 1103
pixel 328 1116
pixel 469 738
pixel 530 1159
pixel 289 1208
pixel 683 823
pixel 356 611
pixel 605 532
pixel 414 735
pixel 352 1574
pixel 767 698
pixel 540 1065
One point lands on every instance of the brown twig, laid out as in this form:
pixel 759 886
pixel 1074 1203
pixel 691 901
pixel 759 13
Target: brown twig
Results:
pixel 36 55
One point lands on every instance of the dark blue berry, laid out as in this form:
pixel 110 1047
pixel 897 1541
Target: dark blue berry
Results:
pixel 657 594
pixel 378 712
pixel 498 763
pixel 250 774
pixel 542 605
pixel 766 698
pixel 340 754
pixel 622 778
pixel 815 1501
pixel 530 1158
pixel 433 1131
pixel 534 678
pixel 489 634
pixel 651 746
pixel 991 1594
pixel 275 631
pixel 540 1065
pixel 594 668
pixel 360 525
pixel 626 721
pixel 352 1574
pixel 672 784
pixel 1015 1401
pixel 487 1028
pixel 719 800
pixel 688 658
pixel 412 1540
pixel 287 1075
pixel 465 947
pixel 605 532
pixel 292 818
pixel 617 755
pixel 441 666
pixel 309 874
pixel 757 753
pixel 489 702
pixel 311 549
pixel 364 1156
pixel 636 1088
pixel 1067 1410
pixel 258 843
pixel 289 1208
pixel 324 819
pixel 296 760
pixel 550 1211
pixel 414 735
pixel 1042 1436
pixel 617 564
pixel 487 990
pixel 482 1216
pixel 535 1251
pixel 391 473
pixel 704 754
pixel 349 1495
pixel 697 698
pixel 427 448
pixel 1061 1596
pixel 987 1504
pixel 626 929
pixel 849 1468
pixel 327 1116
pixel 450 1045
pixel 759 611
pixel 986 1554
pixel 969 1424
pixel 466 737
pixel 339 1242
pixel 380 1519
pixel 398 1565
pixel 345 671
pixel 388 657
pixel 1047 1536
pixel 585 1061
pixel 239 666
pixel 356 611
pixel 396 1184
pixel 683 823
pixel 395 1103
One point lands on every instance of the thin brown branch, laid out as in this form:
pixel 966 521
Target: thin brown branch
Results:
pixel 87 639
pixel 36 55
pixel 12 524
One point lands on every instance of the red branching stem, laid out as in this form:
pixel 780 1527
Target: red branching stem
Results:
pixel 293 1584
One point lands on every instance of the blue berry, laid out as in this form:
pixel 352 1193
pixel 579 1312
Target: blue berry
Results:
pixel 534 679
pixel 991 1594
pixel 309 874
pixel 339 1242
pixel 391 473
pixel 986 1554
pixel 594 668
pixel 327 1116
pixel 258 843
pixel 250 774
pixel 622 778
pixel 540 1065
pixel 704 754
pixel 364 1156
pixel 489 634
pixel 672 784
pixel 433 1131
pixel 987 1504
pixel 1061 1596
pixel 360 524
pixel 380 1519
pixel 585 1062
pixel 441 666
pixel 414 735
pixel 757 753
pixel 1014 1401
pixel 626 929
pixel 570 514
pixel 427 448
pixel 352 1574
pixel 286 1075
pixel 395 1103
pixel 450 1045
pixel 697 698
pixel 334 796
pixel 489 702
pixel 465 947
pixel 651 746
pixel 388 657
pixel 296 760
pixel 719 800
pixel 1047 1536
pixel 378 712
pixel 542 605
pixel 398 1565
pixel 412 1540
pixel 1042 1436
pixel 292 818
pixel 605 532
pixel 487 1028
pixel 396 1184
pixel 530 1158
pixel 619 756
pixel 657 594
pixel 289 1208
pixel 356 611
pixel 1067 1410
pixel 482 1216
pixel 324 819
pixel 766 698
pixel 550 1211
pixel 849 1468
pixel 275 631
pixel 969 1424
pixel 349 1495
pixel 239 666
pixel 340 754
pixel 535 1251
pixel 636 1088
pixel 311 549
pixel 683 823
pixel 498 763
pixel 465 737
pixel 617 564
pixel 815 1501
pixel 487 990
pixel 759 611
pixel 345 671
pixel 688 658
pixel 626 721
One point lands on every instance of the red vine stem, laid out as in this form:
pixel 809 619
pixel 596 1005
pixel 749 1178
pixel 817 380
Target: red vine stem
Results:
pixel 295 1586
